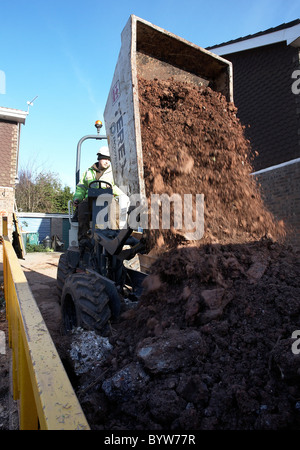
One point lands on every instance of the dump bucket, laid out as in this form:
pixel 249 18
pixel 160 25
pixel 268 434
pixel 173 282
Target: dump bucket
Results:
pixel 149 52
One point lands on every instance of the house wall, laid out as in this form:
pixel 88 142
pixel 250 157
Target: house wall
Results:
pixel 9 135
pixel 266 105
pixel 270 111
pixel 280 189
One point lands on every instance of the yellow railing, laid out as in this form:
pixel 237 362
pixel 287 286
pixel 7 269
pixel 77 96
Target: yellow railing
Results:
pixel 47 400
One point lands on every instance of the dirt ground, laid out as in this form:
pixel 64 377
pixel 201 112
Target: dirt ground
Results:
pixel 210 345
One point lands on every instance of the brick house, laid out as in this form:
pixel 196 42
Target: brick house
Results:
pixel 267 94
pixel 11 121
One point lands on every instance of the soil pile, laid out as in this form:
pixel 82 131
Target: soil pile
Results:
pixel 209 346
pixel 193 143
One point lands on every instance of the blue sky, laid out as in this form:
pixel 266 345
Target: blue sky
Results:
pixel 65 53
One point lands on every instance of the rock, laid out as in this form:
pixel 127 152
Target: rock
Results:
pixel 256 271
pixel 172 350
pixel 125 382
pixel 87 350
pixel 213 297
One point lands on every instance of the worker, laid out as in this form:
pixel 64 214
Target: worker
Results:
pixel 101 170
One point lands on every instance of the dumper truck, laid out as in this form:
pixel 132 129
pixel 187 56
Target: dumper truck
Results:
pixel 92 294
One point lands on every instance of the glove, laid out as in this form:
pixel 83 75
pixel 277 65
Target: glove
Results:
pixel 76 202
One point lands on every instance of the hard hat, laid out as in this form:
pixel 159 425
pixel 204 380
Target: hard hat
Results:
pixel 103 153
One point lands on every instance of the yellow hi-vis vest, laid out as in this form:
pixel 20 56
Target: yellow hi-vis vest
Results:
pixel 93 174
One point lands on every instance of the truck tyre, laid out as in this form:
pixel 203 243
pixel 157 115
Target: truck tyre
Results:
pixel 85 303
pixel 63 270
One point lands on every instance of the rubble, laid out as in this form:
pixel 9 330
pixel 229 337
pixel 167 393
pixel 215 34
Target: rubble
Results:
pixel 87 350
pixel 170 351
pixel 125 383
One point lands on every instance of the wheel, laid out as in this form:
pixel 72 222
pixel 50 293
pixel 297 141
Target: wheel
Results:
pixel 63 270
pixel 85 303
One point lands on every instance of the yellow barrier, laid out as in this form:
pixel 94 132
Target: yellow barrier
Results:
pixel 47 400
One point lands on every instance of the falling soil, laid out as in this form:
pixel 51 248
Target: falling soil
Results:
pixel 209 346
pixel 193 143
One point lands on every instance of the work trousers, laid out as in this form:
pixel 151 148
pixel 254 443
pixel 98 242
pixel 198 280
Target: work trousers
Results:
pixel 85 216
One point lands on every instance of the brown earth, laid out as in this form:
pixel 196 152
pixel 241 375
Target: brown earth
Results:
pixel 209 346
pixel 193 143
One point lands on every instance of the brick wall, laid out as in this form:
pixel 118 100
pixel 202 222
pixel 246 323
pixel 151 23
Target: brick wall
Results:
pixel 263 95
pixel 7 199
pixel 9 132
pixel 8 152
pixel 280 189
